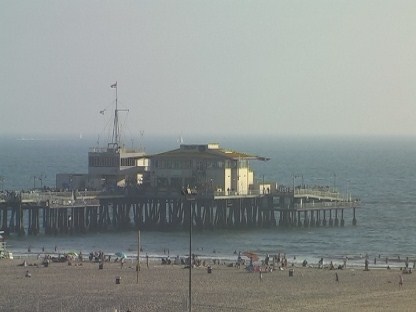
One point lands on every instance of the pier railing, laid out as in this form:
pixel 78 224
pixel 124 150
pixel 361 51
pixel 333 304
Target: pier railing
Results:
pixel 57 199
pixel 241 194
pixel 326 205
pixel 319 194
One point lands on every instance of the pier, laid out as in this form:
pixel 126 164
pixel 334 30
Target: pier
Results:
pixel 314 207
pixel 56 213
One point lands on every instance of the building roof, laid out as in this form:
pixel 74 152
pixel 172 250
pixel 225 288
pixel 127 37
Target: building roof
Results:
pixel 211 150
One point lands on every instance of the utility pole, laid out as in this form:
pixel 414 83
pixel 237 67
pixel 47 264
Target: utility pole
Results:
pixel 138 255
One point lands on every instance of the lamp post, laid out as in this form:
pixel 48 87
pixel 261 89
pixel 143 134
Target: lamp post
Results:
pixel 138 253
pixel 190 195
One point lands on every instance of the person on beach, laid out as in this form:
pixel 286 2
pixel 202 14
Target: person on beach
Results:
pixel 366 265
pixel 400 280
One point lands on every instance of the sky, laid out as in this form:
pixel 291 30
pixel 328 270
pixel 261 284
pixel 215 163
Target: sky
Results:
pixel 216 68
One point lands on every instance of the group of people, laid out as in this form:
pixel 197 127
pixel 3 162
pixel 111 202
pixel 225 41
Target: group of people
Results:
pixel 267 265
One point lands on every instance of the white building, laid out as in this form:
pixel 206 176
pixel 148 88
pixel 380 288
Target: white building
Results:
pixel 118 166
pixel 107 168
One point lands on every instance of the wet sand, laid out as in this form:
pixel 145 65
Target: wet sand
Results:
pixel 60 287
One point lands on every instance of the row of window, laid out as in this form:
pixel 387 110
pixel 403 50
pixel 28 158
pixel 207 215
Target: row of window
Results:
pixel 128 162
pixel 197 164
pixel 95 161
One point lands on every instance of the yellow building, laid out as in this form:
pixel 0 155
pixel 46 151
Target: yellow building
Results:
pixel 206 167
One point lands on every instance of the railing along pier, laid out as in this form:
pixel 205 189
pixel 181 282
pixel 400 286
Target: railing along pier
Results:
pixel 82 212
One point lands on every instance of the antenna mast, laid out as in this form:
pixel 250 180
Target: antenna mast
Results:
pixel 115 142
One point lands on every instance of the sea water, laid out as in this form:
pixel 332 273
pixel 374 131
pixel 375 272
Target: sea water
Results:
pixel 380 171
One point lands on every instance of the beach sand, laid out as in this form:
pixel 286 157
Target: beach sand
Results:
pixel 61 287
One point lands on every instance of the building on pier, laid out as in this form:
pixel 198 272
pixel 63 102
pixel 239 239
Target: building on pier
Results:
pixel 205 166
pixel 116 165
pixel 107 168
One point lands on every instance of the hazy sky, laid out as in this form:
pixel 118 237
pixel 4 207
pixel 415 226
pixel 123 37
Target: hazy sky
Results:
pixel 209 67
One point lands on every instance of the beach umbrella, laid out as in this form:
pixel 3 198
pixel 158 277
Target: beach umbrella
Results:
pixel 72 254
pixel 251 255
pixel 120 254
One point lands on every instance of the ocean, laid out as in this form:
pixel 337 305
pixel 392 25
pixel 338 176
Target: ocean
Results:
pixel 381 171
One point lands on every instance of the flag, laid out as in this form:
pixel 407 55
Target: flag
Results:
pixel 114 85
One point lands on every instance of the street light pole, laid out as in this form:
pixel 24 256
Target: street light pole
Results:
pixel 189 197
pixel 190 256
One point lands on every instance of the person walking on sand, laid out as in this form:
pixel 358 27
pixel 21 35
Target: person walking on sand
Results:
pixel 336 277
pixel 400 280
pixel 261 275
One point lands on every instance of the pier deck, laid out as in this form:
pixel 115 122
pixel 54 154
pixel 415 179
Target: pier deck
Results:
pixel 69 212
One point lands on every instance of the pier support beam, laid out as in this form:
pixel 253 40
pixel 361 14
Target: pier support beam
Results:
pixel 331 221
pixel 336 217
pixel 318 218
pixel 305 219
pixel 312 222
pixel 354 220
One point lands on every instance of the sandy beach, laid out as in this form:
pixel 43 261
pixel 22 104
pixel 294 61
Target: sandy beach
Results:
pixel 63 287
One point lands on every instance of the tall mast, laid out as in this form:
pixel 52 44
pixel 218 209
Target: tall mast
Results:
pixel 115 140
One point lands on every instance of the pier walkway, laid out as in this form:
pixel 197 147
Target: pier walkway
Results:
pixel 86 211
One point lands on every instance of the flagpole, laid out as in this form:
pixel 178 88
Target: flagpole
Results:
pixel 117 134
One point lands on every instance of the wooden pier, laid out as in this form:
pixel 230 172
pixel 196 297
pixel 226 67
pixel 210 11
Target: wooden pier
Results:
pixel 81 212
